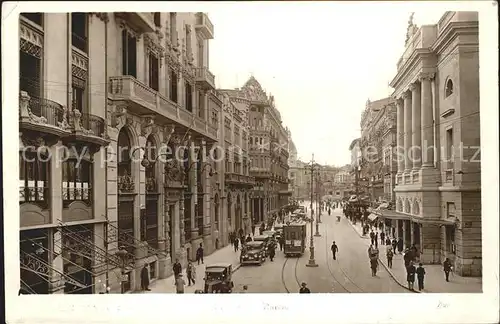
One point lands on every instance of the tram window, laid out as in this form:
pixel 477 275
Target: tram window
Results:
pixel 293 235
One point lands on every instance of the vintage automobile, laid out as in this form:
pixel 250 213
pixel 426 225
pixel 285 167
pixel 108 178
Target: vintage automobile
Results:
pixel 218 278
pixel 265 239
pixel 254 253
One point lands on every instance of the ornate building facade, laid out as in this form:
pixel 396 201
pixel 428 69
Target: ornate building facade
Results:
pixel 268 148
pixel 438 191
pixel 378 140
pixel 136 90
pixel 238 183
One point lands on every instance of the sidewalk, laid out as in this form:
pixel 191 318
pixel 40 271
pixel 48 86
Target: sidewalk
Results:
pixel 225 254
pixel 434 278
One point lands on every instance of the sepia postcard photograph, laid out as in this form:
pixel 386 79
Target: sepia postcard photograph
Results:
pixel 347 150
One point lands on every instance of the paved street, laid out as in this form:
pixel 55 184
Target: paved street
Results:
pixel 434 276
pixel 349 273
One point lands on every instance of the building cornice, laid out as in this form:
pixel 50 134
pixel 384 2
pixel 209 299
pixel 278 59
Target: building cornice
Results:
pixel 452 31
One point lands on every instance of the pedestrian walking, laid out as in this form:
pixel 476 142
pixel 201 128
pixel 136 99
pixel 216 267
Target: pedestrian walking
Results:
pixel 420 276
pixel 191 273
pixel 388 241
pixel 272 252
pixel 389 254
pixel 382 238
pixel 374 266
pixel 410 275
pixel 400 245
pixel 304 289
pixel 370 250
pixel 329 211
pixel 447 267
pixel 376 239
pixel 177 267
pixel 334 249
pixel 372 237
pixel 199 254
pixel 281 242
pixel 236 244
pixel 394 245
pixel 179 284
pixel 145 278
pixel 407 257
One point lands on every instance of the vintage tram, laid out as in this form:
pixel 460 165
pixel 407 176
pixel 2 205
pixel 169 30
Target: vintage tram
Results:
pixel 295 238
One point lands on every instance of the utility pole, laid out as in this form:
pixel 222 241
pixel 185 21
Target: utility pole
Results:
pixel 312 261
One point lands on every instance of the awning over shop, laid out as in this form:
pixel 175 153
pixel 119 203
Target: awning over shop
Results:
pixel 372 217
pixel 390 214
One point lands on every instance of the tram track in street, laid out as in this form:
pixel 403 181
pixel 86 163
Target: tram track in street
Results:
pixel 340 268
pixel 283 281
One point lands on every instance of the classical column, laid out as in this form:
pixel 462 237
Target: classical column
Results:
pixel 407 129
pixel 400 134
pixel 193 189
pixel 416 152
pixel 427 121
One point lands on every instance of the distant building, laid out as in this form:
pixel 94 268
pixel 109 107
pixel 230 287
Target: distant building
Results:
pixel 378 132
pixel 268 147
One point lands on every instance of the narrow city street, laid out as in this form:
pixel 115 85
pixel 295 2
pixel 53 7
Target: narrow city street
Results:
pixel 350 273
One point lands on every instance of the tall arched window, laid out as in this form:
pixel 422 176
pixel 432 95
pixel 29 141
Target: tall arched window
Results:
pixel 124 162
pixel 151 155
pixel 125 199
pixel 449 88
pixel 150 219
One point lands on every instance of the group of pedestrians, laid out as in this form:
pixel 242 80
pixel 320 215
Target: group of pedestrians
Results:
pixel 179 282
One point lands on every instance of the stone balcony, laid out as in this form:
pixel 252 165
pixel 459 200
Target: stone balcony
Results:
pixel 42 115
pixel 143 100
pixel 86 127
pixel 204 78
pixel 143 21
pixel 204 26
pixel 260 172
pixel 239 179
pixel 54 120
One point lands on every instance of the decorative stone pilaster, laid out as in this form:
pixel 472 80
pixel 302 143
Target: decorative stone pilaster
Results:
pixel 416 152
pixel 407 130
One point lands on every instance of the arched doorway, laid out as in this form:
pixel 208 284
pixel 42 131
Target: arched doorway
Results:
pixel 126 196
pixel 149 221
pixel 237 223
pixel 229 214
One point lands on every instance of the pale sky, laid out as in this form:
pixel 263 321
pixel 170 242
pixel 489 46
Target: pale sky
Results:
pixel 321 61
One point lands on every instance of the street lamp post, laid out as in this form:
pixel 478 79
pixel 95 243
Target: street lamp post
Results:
pixel 318 208
pixel 312 261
